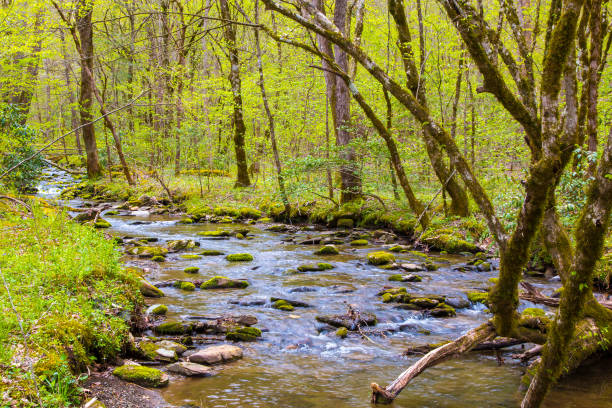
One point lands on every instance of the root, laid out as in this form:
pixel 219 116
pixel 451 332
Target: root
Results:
pixel 462 345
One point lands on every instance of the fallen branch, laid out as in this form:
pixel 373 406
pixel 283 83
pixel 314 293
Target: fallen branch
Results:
pixel 529 354
pixel 57 166
pixel 17 201
pixel 463 344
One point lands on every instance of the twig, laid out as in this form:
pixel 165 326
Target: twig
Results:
pixel 431 201
pixel 50 163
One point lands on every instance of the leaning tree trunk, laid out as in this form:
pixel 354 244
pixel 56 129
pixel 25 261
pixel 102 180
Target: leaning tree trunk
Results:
pixel 242 176
pixel 85 30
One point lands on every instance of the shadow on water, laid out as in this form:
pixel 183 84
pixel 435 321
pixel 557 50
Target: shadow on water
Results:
pixel 298 365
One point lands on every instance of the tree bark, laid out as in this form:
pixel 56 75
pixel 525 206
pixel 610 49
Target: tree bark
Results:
pixel 85 30
pixel 242 176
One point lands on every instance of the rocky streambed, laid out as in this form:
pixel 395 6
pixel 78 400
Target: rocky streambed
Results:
pixel 257 314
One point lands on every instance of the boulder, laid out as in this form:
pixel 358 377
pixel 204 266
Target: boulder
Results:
pixel 157 310
pixel 173 327
pixel 189 369
pixel 144 376
pixel 348 321
pixel 216 354
pixel 380 258
pixel 327 250
pixel 181 244
pixel 221 282
pixel 239 257
pixel 149 290
pixel 178 348
pixel 410 267
pixel 244 334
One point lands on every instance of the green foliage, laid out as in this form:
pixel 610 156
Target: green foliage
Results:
pixel 77 297
pixel 16 141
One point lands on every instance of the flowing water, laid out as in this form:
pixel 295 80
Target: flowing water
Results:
pixel 296 363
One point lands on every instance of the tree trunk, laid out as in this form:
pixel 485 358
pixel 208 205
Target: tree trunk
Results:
pixel 264 97
pixel 349 174
pixel 73 116
pixel 242 176
pixel 85 30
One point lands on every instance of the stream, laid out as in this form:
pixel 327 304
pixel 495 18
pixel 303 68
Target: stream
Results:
pixel 295 364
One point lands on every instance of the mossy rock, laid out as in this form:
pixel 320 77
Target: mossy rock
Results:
pixel 345 223
pixel 157 310
pixel 449 240
pixel 149 290
pixel 283 305
pixel 327 250
pixel 239 236
pixel 185 220
pixel 221 282
pixel 215 233
pixel 191 269
pixel 478 297
pixel 144 376
pixel 188 286
pixel 101 223
pixel 112 212
pixel 485 267
pixel 424 302
pixel 380 258
pixel 173 328
pixel 399 248
pixel 244 334
pixel 405 278
pixel 443 310
pixel 323 266
pixel 359 242
pixel 190 256
pixel 148 251
pixel 211 252
pixel 239 257
pixel 250 213
pixel 342 332
pixel 265 219
pixel 158 258
pixel 430 266
pixel 533 312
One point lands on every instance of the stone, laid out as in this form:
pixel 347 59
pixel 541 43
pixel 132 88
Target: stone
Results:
pixel 188 286
pixel 405 278
pixel 244 334
pixel 148 251
pixel 178 348
pixel 239 257
pixel 189 369
pixel 399 248
pixel 144 376
pixel 149 290
pixel 173 327
pixel 359 242
pixel 165 355
pixel 211 252
pixel 221 282
pixel 342 332
pixel 181 244
pixel 191 269
pixel 294 303
pixel 158 258
pixel 216 354
pixel 380 258
pixel 215 234
pixel 157 310
pixel 350 322
pixel 327 250
pixel 442 310
pixel 345 223
pixel 410 267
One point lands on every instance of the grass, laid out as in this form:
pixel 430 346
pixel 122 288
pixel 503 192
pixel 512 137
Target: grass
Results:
pixel 66 303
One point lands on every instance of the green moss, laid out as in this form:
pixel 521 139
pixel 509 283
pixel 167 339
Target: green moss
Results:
pixel 485 266
pixel 185 221
pixel 387 297
pixel 443 310
pixel 327 250
pixel 398 248
pixel 149 290
pixel 449 240
pixel 239 236
pixel 251 213
pixel 322 266
pixel 148 251
pixel 380 258
pixel 310 268
pixel 359 242
pixel 533 312
pixel 342 332
pixel 283 305
pixel 191 269
pixel 239 257
pixel 158 258
pixel 244 334
pixel 216 233
pixel 227 211
pixel 405 278
pixel 173 327
pixel 211 252
pixel 159 310
pixel 101 223
pixel 190 256
pixel 145 376
pixel 478 297
pixel 188 286
pixel 221 282
pixel 345 223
